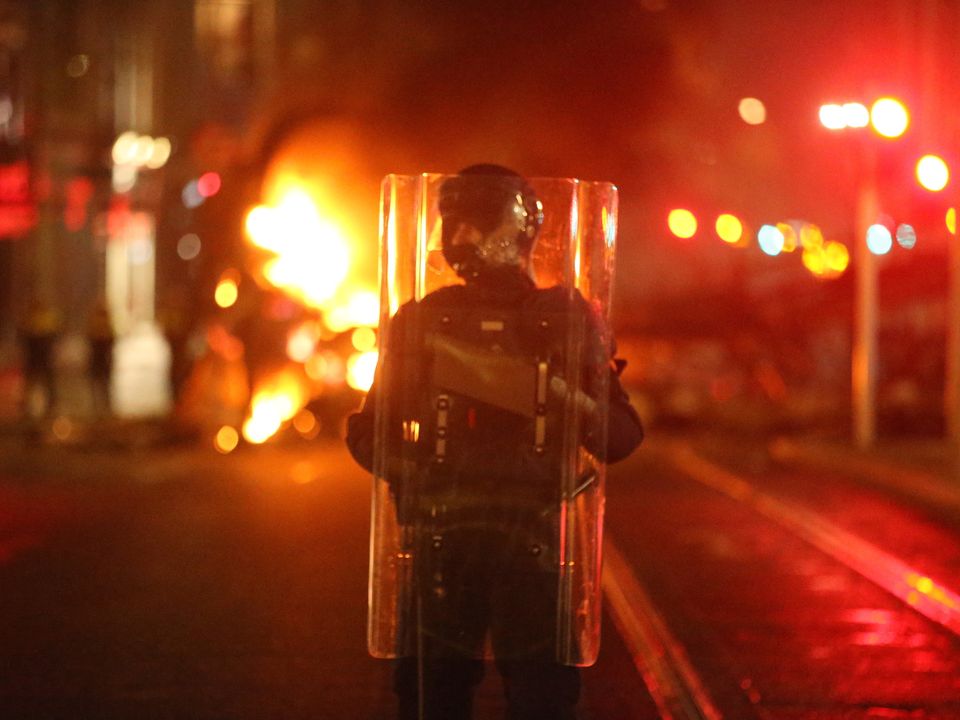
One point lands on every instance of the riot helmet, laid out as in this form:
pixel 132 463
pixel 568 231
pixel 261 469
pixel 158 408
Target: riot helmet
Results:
pixel 490 217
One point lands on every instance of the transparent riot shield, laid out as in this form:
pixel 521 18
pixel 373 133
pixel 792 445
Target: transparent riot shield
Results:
pixel 490 423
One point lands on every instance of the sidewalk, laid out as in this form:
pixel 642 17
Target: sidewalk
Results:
pixel 141 414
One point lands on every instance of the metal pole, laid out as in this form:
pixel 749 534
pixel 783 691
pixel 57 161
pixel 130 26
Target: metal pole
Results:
pixel 951 398
pixel 864 370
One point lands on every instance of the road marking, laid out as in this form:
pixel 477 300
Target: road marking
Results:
pixel 673 683
pixel 932 599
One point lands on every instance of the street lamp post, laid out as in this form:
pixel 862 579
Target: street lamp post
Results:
pixel 951 399
pixel 864 365
pixel 888 118
pixel 933 174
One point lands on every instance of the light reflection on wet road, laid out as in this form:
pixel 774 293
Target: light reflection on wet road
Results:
pixel 776 628
pixel 184 582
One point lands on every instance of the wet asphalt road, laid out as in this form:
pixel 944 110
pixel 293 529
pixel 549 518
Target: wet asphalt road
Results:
pixel 179 583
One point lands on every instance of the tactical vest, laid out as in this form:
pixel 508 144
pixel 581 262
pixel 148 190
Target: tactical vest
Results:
pixel 483 422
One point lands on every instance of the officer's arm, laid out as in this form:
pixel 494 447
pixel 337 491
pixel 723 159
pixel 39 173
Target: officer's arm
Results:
pixel 360 432
pixel 361 437
pixel 624 428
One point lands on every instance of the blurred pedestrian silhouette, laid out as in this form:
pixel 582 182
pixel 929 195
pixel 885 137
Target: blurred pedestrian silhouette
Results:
pixel 39 332
pixel 100 364
pixel 177 328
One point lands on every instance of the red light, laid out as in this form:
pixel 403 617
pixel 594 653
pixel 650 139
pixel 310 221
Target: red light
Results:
pixel 208 184
pixel 77 193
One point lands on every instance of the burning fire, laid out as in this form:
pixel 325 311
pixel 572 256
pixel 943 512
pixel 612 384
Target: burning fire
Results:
pixel 309 257
pixel 310 254
pixel 276 400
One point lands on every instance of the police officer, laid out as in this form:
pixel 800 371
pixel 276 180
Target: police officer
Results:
pixel 479 502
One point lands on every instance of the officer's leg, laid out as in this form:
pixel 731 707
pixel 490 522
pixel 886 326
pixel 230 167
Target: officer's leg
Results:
pixel 449 625
pixel 447 685
pixel 539 689
pixel 524 630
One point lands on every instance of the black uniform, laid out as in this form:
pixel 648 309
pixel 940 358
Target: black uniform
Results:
pixel 484 508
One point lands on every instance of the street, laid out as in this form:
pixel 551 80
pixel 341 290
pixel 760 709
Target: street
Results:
pixel 183 584
pixel 174 582
pixel 179 583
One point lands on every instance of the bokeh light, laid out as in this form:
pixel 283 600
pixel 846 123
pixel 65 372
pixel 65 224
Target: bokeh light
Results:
pixel 226 439
pixel 831 117
pixel 363 339
pixel 228 289
pixel 752 111
pixel 208 184
pixel 837 256
pixel 191 195
pixel 78 65
pixel 789 236
pixel 142 150
pixel 360 370
pixel 889 117
pixel 302 341
pixel 933 173
pixel 855 115
pixel 879 239
pixel 811 236
pixel 161 153
pixel 951 220
pixel 134 150
pixel 729 228
pixel 770 240
pixel 62 428
pixel 826 261
pixel 682 223
pixel 906 236
pixel 124 148
pixel 306 423
pixel 814 260
pixel 188 246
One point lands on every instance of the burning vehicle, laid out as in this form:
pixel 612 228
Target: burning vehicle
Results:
pixel 292 347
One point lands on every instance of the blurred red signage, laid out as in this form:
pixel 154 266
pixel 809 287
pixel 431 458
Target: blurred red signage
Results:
pixel 18 211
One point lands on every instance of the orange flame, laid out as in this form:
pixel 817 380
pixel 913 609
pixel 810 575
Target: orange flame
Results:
pixel 310 257
pixel 274 402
